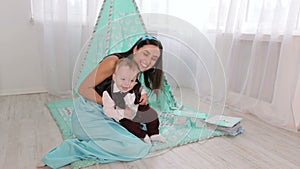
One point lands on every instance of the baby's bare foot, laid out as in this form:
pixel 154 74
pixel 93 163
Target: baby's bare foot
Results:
pixel 158 137
pixel 42 165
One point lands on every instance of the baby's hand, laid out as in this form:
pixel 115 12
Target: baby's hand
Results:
pixel 128 113
pixel 144 99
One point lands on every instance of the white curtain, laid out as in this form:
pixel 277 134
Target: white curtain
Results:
pixel 258 42
pixel 63 28
pixel 259 45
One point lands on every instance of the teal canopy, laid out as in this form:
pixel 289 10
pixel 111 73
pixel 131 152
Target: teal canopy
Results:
pixel 118 27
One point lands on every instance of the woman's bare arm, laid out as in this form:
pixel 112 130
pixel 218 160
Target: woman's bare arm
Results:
pixel 100 73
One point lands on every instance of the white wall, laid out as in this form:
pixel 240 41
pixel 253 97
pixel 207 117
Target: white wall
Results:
pixel 20 63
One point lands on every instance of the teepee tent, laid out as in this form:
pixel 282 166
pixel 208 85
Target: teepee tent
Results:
pixel 118 27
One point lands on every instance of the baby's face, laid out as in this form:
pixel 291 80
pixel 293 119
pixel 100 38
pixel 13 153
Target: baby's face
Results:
pixel 125 78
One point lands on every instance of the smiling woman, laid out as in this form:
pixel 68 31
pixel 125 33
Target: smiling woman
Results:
pixel 146 57
pixel 146 52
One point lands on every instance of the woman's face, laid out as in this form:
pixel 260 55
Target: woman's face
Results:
pixel 146 56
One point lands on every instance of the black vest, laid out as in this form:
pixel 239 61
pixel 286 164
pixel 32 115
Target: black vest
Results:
pixel 118 97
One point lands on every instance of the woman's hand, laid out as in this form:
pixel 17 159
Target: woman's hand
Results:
pixel 144 99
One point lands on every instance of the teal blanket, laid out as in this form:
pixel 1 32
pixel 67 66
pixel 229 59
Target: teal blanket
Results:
pixel 178 130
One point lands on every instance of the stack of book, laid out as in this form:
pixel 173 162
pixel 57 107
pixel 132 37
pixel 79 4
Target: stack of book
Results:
pixel 227 124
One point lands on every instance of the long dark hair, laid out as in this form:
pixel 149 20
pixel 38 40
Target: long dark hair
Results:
pixel 153 77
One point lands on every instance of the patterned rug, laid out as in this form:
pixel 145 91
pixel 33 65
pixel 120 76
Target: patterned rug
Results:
pixel 178 130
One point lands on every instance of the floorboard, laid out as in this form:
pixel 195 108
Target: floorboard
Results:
pixel 28 132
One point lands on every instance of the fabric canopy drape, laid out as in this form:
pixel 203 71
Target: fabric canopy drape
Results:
pixel 63 28
pixel 258 42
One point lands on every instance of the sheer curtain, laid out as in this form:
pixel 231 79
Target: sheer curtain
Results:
pixel 63 28
pixel 258 42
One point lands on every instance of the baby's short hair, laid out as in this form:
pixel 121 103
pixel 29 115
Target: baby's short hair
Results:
pixel 127 62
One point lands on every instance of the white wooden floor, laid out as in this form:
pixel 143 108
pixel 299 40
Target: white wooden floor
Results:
pixel 28 131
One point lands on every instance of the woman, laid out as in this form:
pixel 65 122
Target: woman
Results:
pixel 146 52
pixel 98 137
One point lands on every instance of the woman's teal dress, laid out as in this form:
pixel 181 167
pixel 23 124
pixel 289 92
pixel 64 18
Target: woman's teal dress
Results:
pixel 98 138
